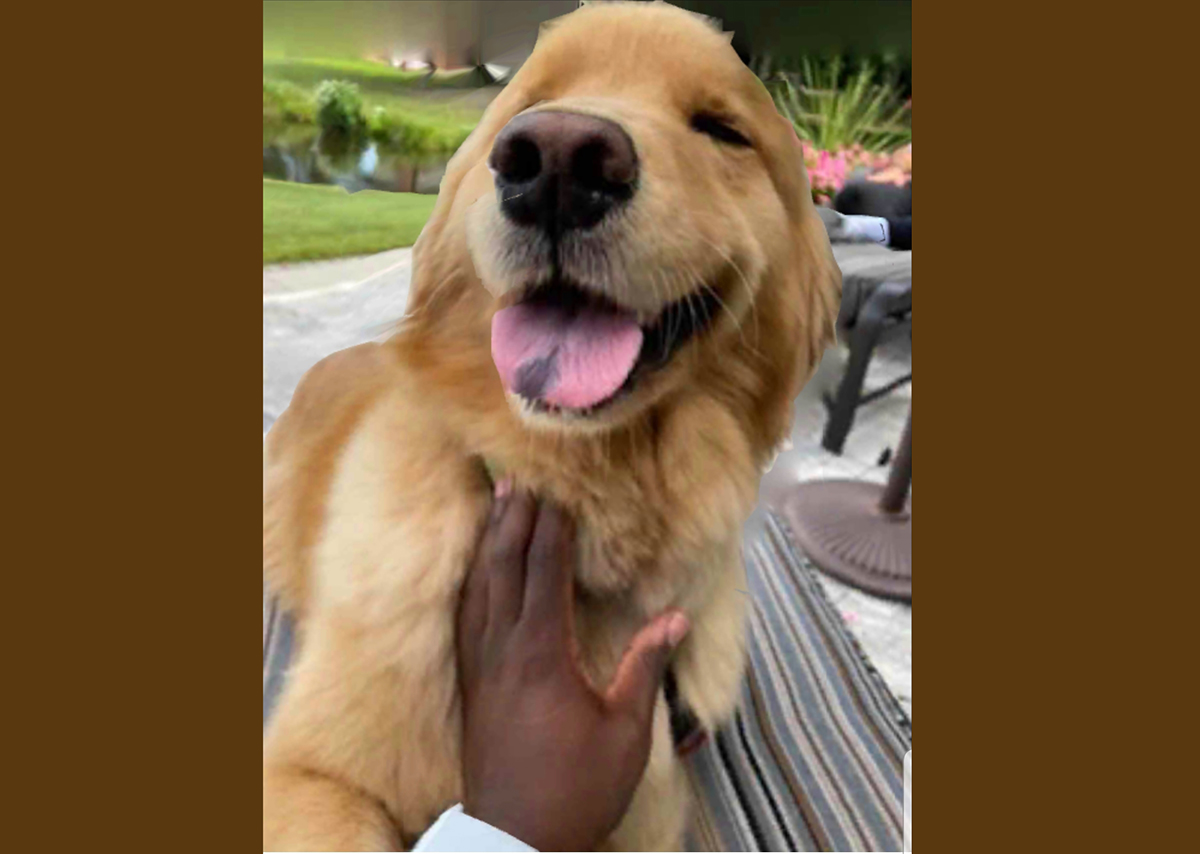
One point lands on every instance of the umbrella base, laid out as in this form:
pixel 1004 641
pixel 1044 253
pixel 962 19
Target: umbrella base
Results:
pixel 840 526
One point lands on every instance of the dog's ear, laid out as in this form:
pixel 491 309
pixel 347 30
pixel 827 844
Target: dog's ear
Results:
pixel 822 289
pixel 800 304
pixel 820 277
pixel 432 262
pixel 437 266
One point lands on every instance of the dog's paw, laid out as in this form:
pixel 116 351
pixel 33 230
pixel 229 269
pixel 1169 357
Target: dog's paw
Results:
pixel 708 672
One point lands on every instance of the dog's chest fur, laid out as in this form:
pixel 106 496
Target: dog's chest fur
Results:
pixel 660 516
pixel 656 506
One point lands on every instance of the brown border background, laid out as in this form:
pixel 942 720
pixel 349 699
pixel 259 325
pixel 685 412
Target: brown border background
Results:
pixel 132 587
pixel 132 342
pixel 1040 662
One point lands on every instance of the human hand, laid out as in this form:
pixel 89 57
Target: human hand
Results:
pixel 547 757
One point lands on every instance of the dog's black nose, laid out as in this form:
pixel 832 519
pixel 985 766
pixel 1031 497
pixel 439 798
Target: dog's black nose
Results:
pixel 560 171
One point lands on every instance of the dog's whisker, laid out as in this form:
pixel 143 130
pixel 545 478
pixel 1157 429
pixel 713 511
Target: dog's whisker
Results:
pixel 750 295
pixel 676 321
pixel 707 316
pixel 717 296
pixel 658 296
pixel 745 283
pixel 705 286
pixel 692 310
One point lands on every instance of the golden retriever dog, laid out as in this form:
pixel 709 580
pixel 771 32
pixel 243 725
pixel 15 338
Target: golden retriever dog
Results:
pixel 622 287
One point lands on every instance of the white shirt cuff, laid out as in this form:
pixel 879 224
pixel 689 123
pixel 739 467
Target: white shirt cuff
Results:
pixel 456 831
pixel 872 228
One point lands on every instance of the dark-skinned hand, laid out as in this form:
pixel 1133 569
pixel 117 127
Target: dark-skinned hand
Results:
pixel 547 757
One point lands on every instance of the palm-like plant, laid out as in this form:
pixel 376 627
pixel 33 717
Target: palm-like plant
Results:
pixel 870 114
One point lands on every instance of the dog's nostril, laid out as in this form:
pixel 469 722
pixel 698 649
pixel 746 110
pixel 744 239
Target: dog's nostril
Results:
pixel 523 163
pixel 588 168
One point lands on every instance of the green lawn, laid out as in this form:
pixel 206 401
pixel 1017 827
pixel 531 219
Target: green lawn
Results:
pixel 310 221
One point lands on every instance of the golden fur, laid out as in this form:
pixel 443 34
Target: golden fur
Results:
pixel 373 483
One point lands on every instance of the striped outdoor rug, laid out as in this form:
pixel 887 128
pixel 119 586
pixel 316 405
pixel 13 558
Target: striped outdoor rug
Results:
pixel 813 760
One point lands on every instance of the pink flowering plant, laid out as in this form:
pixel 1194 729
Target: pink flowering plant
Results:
pixel 829 171
pixel 826 172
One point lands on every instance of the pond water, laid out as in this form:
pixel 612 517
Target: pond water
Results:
pixel 304 155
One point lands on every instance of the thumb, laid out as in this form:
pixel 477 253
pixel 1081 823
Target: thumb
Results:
pixel 640 673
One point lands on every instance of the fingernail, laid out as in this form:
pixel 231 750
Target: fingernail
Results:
pixel 503 486
pixel 677 628
pixel 503 492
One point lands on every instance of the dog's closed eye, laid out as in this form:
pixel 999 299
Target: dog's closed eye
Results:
pixel 718 129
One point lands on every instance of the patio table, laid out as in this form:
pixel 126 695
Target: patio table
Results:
pixel 860 532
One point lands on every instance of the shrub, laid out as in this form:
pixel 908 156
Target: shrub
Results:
pixel 447 138
pixel 286 102
pixel 339 108
pixel 409 137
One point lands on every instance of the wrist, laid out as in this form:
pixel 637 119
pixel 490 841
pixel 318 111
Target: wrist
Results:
pixel 526 827
pixel 455 830
pixel 502 820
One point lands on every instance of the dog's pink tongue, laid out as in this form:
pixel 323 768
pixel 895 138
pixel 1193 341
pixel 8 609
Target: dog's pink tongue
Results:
pixel 573 358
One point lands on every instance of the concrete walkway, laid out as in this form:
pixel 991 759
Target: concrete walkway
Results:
pixel 316 308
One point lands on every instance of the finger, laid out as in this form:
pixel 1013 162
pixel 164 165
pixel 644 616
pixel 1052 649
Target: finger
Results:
pixel 474 587
pixel 550 570
pixel 639 675
pixel 472 604
pixel 504 552
pixel 471 627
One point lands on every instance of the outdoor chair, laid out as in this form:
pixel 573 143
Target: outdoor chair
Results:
pixel 876 302
pixel 813 758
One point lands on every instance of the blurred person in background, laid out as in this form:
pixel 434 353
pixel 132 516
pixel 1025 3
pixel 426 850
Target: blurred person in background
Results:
pixel 877 209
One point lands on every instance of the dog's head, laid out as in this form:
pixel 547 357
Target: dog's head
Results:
pixel 633 216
